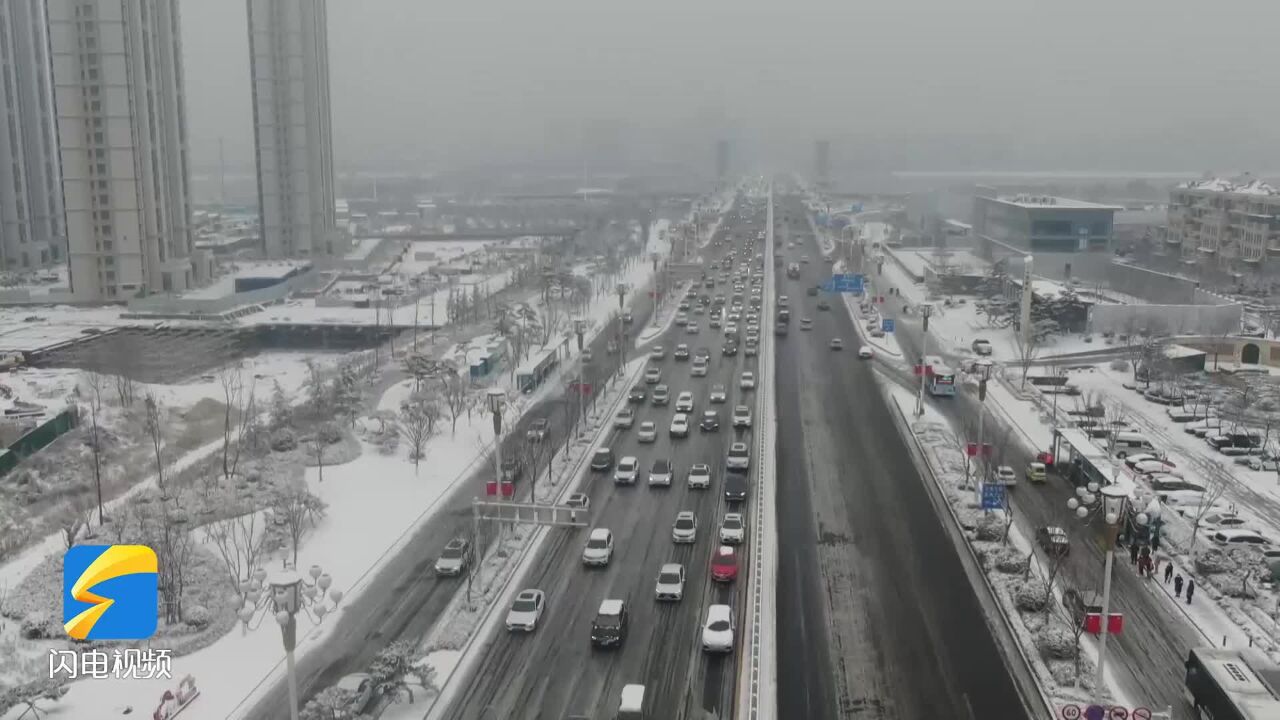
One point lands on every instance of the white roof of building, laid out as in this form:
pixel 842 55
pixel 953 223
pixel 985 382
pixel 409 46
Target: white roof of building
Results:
pixel 1053 201
pixel 1252 187
pixel 273 269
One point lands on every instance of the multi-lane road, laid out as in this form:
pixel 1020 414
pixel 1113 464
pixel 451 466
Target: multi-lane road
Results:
pixel 875 617
pixel 406 598
pixel 554 672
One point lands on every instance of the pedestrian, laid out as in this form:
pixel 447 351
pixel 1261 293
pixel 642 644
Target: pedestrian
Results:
pixel 1133 553
pixel 1191 588
pixel 1168 572
pixel 1177 586
pixel 1144 561
pixel 1155 566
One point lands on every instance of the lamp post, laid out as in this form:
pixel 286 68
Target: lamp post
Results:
pixel 1114 507
pixel 496 400
pixel 579 326
pixel 287 594
pixel 1057 390
pixel 984 376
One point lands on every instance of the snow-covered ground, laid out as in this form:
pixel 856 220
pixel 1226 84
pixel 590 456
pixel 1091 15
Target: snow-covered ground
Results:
pixel 379 498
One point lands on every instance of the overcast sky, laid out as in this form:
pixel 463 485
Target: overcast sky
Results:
pixel 421 84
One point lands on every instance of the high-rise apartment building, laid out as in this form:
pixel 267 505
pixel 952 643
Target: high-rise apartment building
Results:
pixel 1225 221
pixel 289 64
pixel 121 108
pixel 32 220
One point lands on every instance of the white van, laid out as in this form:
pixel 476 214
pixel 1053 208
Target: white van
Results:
pixel 699 368
pixel 1128 443
pixel 631 706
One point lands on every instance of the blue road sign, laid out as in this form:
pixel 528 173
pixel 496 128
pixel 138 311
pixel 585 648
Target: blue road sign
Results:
pixel 992 496
pixel 1095 712
pixel 886 324
pixel 847 283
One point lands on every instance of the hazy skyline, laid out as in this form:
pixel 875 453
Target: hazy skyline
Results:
pixel 914 83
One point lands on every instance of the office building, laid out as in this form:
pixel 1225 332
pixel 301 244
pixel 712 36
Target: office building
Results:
pixel 289 63
pixel 822 163
pixel 32 219
pixel 118 93
pixel 1225 222
pixel 1063 235
pixel 722 159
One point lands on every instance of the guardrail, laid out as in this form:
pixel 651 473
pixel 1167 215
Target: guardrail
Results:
pixel 756 693
pixel 1008 639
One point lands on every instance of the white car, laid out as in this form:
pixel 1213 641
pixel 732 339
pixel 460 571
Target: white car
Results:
pixel 747 381
pixel 684 403
pixel 1239 536
pixel 625 418
pixel 699 368
pixel 685 529
pixel 865 353
pixel 670 585
pixel 680 425
pixel 1006 476
pixel 648 432
pixel 627 471
pixel 739 457
pixel 526 610
pixel 1222 521
pixel 732 529
pixel 599 548
pixel 700 476
pixel 717 632
pixel 718 394
pixel 660 473
pixel 1146 467
pixel 742 417
pixel 691 328
pixel 652 376
pixel 657 353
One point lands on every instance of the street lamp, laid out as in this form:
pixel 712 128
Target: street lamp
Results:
pixel 925 311
pixel 984 376
pixel 1114 508
pixel 287 594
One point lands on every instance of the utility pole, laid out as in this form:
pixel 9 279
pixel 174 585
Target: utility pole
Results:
pixel 925 310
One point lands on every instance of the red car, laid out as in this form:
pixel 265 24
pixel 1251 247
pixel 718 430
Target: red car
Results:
pixel 724 564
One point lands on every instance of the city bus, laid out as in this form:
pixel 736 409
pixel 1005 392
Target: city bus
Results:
pixel 940 380
pixel 1232 684
pixel 532 373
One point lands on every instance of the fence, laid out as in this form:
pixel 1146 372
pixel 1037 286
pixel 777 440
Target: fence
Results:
pixel 1151 285
pixel 1158 319
pixel 38 437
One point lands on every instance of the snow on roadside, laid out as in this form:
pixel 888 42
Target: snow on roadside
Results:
pixel 1047 643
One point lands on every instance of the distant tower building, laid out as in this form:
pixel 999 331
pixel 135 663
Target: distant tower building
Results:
pixel 722 159
pixel 119 97
pixel 822 163
pixel 32 219
pixel 289 64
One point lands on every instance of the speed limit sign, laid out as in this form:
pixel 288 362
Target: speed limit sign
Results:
pixel 1071 712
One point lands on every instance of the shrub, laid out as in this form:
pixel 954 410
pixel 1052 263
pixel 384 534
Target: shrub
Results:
pixel 1056 643
pixel 198 617
pixel 1030 596
pixel 283 441
pixel 990 527
pixel 1010 561
pixel 1213 561
pixel 1118 365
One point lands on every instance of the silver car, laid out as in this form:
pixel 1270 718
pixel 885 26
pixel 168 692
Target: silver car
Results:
pixel 685 529
pixel 526 610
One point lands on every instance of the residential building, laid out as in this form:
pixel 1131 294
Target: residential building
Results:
pixel 32 219
pixel 1224 221
pixel 1065 236
pixel 289 63
pixel 121 108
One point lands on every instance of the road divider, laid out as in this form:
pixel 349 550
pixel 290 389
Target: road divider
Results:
pixel 756 697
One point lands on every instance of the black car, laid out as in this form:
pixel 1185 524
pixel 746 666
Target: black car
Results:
pixel 538 430
pixel 609 628
pixel 812 292
pixel 710 421
pixel 637 395
pixel 730 349
pixel 627 319
pixel 512 470
pixel 735 487
pixel 602 460
pixel 824 305
pixel 681 353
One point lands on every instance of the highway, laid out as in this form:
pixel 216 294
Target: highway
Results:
pixel 405 597
pixel 554 673
pixel 876 617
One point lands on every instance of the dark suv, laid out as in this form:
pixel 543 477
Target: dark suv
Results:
pixel 602 460
pixel 609 628
pixel 512 470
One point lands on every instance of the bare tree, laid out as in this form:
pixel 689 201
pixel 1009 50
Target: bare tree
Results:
pixel 1028 347
pixel 416 424
pixel 95 383
pixel 232 381
pixel 154 426
pixel 318 442
pixel 318 396
pixel 1115 415
pixel 121 360
pixel 240 542
pixel 167 531
pixel 298 510
pixel 74 517
pixel 1215 484
pixel 455 391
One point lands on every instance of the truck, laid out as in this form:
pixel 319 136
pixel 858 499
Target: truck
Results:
pixel 793 271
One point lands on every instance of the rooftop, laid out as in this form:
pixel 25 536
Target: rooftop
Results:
pixel 1052 201
pixel 1220 185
